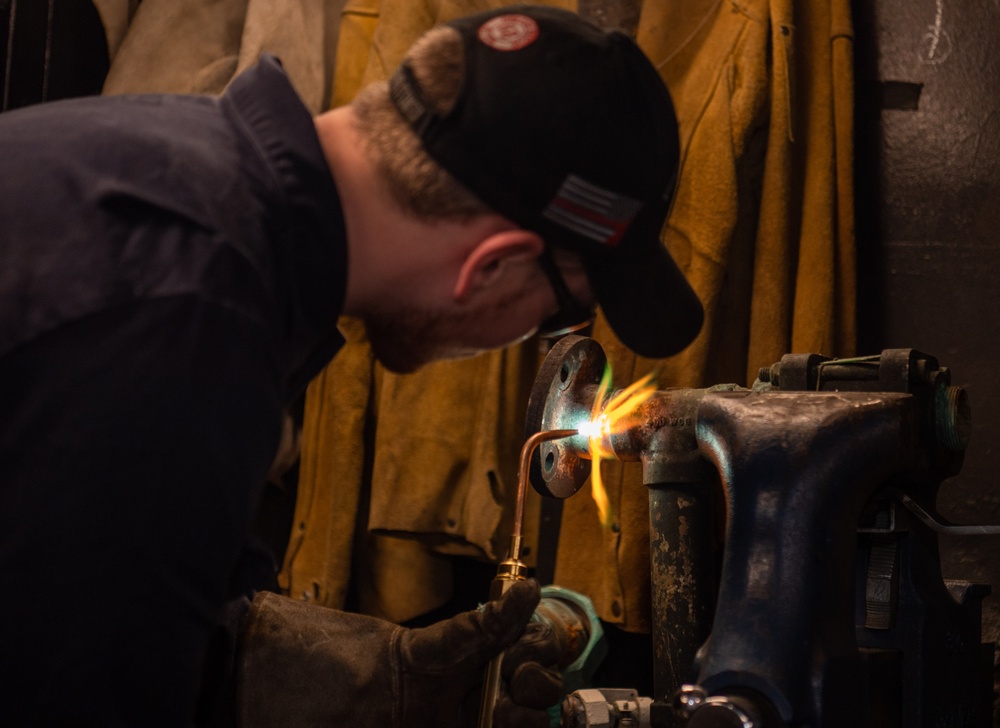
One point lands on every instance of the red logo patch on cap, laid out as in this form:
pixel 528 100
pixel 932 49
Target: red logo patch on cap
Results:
pixel 509 32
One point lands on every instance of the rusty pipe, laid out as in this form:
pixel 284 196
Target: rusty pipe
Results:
pixel 660 433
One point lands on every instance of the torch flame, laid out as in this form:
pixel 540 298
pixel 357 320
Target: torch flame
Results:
pixel 608 419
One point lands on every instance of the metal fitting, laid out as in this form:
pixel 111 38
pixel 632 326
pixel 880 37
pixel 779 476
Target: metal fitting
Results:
pixel 577 627
pixel 605 708
pixel 696 709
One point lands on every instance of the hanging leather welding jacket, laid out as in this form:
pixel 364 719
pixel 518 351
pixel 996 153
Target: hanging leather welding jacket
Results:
pixel 762 226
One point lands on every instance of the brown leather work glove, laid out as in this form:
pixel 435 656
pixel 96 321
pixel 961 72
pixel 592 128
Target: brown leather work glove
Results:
pixel 302 665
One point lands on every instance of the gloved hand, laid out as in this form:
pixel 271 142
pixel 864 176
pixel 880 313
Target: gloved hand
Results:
pixel 302 665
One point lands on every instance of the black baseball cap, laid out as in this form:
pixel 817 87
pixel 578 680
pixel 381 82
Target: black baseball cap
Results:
pixel 569 131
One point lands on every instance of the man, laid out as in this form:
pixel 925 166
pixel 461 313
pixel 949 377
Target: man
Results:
pixel 172 273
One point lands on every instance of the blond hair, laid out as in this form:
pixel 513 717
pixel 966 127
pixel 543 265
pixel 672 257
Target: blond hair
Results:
pixel 417 183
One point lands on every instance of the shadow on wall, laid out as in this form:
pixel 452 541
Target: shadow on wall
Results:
pixel 51 51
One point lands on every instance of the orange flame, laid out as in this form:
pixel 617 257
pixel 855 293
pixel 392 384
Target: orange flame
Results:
pixel 607 420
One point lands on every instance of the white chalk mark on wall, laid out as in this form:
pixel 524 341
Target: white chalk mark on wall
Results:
pixel 936 43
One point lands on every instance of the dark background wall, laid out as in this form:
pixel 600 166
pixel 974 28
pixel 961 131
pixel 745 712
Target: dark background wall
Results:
pixel 928 181
pixel 50 50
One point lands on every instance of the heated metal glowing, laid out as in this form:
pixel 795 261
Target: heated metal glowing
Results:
pixel 605 420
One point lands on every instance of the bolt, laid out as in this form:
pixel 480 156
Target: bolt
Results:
pixel 687 700
pixel 952 417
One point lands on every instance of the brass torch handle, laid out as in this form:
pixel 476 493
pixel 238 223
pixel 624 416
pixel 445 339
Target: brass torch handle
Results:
pixel 510 572
pixel 512 569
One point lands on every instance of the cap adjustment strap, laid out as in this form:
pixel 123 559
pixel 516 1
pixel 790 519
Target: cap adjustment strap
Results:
pixel 405 94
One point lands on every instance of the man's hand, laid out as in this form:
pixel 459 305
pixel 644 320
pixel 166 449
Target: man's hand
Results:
pixel 303 665
pixel 443 665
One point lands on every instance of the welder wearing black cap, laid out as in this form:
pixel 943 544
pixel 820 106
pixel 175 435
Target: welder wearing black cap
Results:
pixel 173 270
pixel 569 132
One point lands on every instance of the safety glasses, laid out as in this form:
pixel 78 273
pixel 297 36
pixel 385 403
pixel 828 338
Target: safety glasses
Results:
pixel 572 315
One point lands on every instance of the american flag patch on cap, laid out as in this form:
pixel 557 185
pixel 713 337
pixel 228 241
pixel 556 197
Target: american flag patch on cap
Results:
pixel 591 211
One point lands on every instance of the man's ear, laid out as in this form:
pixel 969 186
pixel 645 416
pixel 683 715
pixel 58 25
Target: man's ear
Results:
pixel 492 256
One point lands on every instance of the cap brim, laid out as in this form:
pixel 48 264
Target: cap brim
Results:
pixel 647 301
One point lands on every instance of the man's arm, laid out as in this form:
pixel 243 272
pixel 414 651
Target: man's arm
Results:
pixel 131 446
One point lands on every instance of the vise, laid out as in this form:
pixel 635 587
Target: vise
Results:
pixel 824 605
